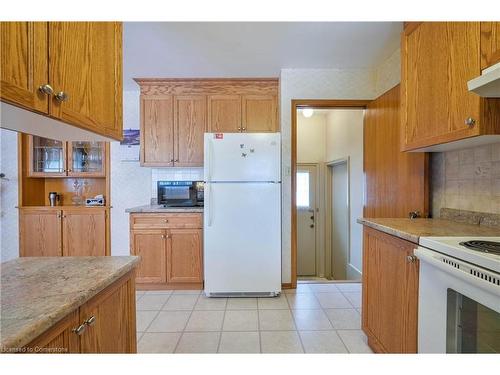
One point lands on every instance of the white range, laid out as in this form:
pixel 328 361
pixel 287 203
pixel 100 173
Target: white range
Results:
pixel 459 295
pixel 242 215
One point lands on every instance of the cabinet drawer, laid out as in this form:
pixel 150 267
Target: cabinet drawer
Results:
pixel 165 221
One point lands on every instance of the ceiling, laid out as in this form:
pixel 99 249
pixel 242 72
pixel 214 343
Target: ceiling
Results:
pixel 251 49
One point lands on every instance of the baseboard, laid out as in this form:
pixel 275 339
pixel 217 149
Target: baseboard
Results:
pixel 286 286
pixel 353 273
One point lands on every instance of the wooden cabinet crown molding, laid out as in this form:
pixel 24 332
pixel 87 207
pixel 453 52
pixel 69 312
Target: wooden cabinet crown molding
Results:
pixel 208 86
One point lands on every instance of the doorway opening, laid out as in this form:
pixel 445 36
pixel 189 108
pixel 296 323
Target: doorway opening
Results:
pixel 327 189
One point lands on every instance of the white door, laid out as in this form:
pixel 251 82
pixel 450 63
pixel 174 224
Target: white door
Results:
pixel 242 157
pixel 306 215
pixel 242 237
pixel 340 220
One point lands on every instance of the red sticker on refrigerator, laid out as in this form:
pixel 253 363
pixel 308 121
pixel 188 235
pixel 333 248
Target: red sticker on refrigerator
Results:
pixel 219 136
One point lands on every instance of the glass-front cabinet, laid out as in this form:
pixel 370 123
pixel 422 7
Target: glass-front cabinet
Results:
pixel 86 158
pixel 47 157
pixel 52 158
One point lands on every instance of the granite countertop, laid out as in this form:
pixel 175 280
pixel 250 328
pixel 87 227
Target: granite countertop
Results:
pixel 157 208
pixel 412 229
pixel 37 292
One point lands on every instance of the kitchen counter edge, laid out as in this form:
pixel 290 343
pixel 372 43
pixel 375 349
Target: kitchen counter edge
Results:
pixel 39 325
pixel 412 229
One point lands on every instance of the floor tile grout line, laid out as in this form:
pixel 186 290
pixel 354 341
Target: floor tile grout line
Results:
pixel 152 320
pixel 187 321
pixel 296 326
pixel 222 327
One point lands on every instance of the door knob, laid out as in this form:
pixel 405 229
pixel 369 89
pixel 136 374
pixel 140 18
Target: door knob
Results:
pixel 312 225
pixel 46 89
pixel 90 321
pixel 62 96
pixel 312 218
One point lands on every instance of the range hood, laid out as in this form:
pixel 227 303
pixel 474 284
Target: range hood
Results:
pixel 487 84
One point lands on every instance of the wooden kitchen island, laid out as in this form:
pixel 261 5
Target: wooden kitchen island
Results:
pixel 68 305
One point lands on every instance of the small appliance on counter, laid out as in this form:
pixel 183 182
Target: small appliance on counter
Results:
pixel 98 200
pixel 54 198
pixel 180 193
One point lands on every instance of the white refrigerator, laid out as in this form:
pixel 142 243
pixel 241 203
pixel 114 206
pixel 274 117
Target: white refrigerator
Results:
pixel 242 215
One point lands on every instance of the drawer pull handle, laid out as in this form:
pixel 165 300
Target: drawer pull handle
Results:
pixel 80 329
pixel 90 321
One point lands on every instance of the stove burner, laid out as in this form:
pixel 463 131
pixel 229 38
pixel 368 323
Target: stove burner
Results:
pixel 489 247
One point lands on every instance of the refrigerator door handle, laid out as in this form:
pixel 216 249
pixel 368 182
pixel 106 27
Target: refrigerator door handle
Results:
pixel 210 157
pixel 209 205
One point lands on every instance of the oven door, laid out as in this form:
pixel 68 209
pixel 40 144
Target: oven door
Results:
pixel 459 306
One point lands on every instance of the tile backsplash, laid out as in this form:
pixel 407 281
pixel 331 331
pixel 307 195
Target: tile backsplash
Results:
pixel 467 179
pixel 173 174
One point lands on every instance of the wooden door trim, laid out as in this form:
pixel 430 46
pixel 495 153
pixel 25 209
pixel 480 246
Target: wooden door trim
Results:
pixel 296 104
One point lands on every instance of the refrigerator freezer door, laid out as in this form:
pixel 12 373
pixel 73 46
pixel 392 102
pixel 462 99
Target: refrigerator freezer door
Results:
pixel 242 157
pixel 242 238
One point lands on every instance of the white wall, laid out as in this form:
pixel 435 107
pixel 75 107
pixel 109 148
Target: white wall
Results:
pixel 9 219
pixel 344 138
pixel 311 138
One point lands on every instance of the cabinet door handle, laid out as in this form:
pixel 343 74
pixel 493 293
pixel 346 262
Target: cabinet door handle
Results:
pixel 163 236
pixel 244 129
pixel 176 160
pixel 80 329
pixel 239 129
pixel 61 96
pixel 90 321
pixel 46 89
pixel 411 258
pixel 470 122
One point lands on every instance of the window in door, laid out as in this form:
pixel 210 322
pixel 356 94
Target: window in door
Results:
pixel 303 189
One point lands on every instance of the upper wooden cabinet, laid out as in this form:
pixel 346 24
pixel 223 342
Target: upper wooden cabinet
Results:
pixel 175 113
pixel 71 71
pixel 24 63
pixel 259 113
pixel 190 113
pixel 438 58
pixel 224 113
pixel 490 43
pixel 157 131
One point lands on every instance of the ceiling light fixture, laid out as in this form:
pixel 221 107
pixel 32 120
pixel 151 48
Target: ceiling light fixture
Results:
pixel 307 112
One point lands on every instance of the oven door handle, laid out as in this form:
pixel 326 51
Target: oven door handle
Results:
pixel 426 255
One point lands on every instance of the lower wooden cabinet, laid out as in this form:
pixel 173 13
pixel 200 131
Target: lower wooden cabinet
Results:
pixel 63 232
pixel 390 293
pixel 184 263
pixel 170 247
pixel 40 232
pixel 104 324
pixel 150 245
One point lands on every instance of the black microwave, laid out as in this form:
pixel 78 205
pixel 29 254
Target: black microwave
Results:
pixel 180 193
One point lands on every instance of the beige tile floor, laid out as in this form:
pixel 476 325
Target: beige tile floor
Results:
pixel 314 318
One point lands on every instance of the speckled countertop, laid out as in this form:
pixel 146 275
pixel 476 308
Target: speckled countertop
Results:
pixel 36 293
pixel 412 230
pixel 157 209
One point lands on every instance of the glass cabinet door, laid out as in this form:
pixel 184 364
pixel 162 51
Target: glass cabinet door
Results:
pixel 47 157
pixel 86 158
